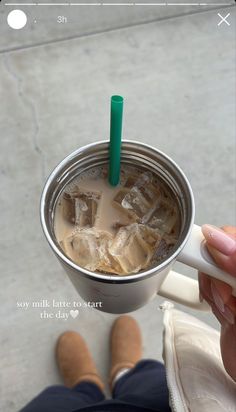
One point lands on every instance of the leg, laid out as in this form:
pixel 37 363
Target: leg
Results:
pixel 61 399
pixel 144 385
pixel 83 383
pixel 141 383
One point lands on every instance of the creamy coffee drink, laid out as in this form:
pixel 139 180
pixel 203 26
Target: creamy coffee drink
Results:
pixel 117 230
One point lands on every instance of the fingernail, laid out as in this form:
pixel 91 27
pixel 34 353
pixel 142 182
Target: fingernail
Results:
pixel 217 298
pixel 228 315
pixel 219 239
pixel 223 309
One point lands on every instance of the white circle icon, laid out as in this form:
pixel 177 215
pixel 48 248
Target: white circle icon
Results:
pixel 17 19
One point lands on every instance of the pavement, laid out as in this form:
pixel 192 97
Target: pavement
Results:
pixel 177 74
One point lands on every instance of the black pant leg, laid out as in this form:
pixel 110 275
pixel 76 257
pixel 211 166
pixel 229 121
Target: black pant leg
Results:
pixel 61 399
pixel 144 385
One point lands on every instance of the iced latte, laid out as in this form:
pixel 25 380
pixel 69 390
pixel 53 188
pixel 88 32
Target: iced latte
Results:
pixel 117 230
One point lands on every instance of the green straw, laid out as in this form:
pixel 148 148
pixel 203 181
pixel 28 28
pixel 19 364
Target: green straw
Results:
pixel 115 139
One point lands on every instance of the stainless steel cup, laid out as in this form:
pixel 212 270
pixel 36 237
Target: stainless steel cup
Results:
pixel 122 294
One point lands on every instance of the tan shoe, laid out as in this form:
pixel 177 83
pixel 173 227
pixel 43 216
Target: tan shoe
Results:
pixel 75 361
pixel 126 345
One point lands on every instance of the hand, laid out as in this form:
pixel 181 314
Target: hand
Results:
pixel 221 244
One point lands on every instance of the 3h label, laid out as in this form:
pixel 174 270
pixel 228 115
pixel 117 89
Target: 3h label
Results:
pixel 62 19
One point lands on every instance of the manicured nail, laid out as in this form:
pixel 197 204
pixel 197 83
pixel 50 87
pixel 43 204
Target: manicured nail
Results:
pixel 219 239
pixel 223 309
pixel 228 315
pixel 217 298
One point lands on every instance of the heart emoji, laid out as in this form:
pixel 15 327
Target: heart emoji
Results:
pixel 74 313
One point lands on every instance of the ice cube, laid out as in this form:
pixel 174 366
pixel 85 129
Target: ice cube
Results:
pixel 120 196
pixel 88 247
pixel 131 180
pixel 107 263
pixel 164 217
pixel 117 202
pixel 80 206
pixel 133 247
pixel 150 192
pixel 135 202
pixel 86 205
pixel 138 197
pixel 144 179
pixel 82 248
pixel 148 189
pixel 68 207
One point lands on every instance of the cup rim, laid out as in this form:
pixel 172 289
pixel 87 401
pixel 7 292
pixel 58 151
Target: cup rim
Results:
pixel 109 278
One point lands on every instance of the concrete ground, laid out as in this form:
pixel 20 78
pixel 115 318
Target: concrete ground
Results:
pixel 177 75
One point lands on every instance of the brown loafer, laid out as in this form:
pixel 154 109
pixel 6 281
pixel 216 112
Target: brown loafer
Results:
pixel 126 345
pixel 75 361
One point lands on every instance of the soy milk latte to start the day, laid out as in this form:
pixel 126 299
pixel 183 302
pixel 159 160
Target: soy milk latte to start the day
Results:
pixel 117 230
